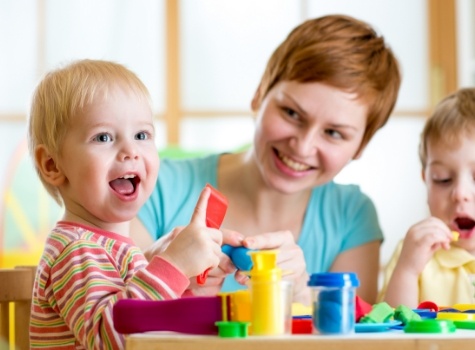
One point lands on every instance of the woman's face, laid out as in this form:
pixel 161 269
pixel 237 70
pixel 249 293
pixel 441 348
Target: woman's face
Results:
pixel 306 133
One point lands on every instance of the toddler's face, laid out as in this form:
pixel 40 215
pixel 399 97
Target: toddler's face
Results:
pixel 306 133
pixel 450 181
pixel 109 159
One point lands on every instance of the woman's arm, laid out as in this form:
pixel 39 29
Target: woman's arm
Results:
pixel 364 261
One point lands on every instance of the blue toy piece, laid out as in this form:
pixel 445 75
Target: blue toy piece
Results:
pixel 227 249
pixel 328 317
pixel 238 256
pixel 425 313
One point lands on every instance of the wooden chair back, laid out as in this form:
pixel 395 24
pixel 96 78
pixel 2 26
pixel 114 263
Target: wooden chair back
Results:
pixel 16 286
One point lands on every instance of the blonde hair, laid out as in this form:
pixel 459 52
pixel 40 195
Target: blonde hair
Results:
pixel 64 92
pixel 345 53
pixel 453 117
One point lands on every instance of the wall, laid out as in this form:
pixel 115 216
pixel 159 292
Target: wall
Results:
pixel 224 46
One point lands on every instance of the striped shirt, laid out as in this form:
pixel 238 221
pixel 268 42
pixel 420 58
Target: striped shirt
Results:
pixel 82 273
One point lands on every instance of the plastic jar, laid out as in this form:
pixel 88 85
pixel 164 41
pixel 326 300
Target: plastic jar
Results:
pixel 271 297
pixel 333 302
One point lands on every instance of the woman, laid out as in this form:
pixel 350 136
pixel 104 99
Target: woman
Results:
pixel 326 90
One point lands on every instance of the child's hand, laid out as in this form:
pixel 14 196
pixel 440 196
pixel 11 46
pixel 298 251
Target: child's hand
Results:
pixel 197 247
pixel 161 244
pixel 216 276
pixel 420 243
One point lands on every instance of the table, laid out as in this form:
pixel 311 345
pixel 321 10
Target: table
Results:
pixel 393 340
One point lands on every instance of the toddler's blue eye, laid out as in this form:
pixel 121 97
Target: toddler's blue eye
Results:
pixel 141 136
pixel 442 181
pixel 103 138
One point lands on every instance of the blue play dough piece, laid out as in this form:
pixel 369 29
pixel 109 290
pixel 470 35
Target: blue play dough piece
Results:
pixel 227 249
pixel 329 317
pixel 334 311
pixel 241 259
pixel 238 256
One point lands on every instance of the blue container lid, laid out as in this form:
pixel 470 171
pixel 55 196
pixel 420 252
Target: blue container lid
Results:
pixel 333 279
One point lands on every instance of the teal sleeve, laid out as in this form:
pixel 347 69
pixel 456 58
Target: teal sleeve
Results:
pixel 338 218
pixel 149 214
pixel 362 222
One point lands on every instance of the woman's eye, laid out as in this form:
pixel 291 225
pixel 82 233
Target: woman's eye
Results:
pixel 142 136
pixel 103 138
pixel 291 113
pixel 334 134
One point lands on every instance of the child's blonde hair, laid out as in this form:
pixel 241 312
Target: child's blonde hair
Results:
pixel 453 117
pixel 345 53
pixel 64 92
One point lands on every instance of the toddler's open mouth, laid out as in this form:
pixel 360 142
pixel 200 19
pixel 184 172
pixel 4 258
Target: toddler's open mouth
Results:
pixel 125 185
pixel 465 226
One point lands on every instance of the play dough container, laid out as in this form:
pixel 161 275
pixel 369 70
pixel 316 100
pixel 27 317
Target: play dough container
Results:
pixel 430 326
pixel 271 297
pixel 333 302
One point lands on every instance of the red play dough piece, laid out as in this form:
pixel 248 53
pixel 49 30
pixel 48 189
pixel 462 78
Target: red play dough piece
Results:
pixel 215 212
pixel 361 308
pixel 430 305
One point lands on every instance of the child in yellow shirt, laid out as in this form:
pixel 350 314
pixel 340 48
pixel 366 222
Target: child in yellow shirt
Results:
pixel 432 263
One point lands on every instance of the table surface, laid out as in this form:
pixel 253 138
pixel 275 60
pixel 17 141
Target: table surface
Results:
pixel 392 340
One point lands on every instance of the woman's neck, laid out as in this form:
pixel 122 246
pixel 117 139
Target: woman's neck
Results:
pixel 254 205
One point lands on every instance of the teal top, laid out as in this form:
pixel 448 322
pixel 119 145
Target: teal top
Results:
pixel 338 217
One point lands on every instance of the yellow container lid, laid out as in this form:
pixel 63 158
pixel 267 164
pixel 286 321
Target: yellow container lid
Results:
pixel 464 307
pixel 455 316
pixel 264 266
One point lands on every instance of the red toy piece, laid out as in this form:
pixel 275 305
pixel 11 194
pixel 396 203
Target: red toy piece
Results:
pixel 429 305
pixel 302 326
pixel 215 212
pixel 361 308
pixel 216 209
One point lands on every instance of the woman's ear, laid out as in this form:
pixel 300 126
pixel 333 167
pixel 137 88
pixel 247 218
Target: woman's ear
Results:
pixel 47 166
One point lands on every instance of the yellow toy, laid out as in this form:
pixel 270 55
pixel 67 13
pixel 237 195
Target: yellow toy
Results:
pixel 269 307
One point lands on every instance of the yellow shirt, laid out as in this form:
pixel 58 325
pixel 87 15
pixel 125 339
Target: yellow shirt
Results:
pixel 445 279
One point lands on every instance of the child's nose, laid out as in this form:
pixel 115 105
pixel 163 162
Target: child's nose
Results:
pixel 128 151
pixel 462 191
